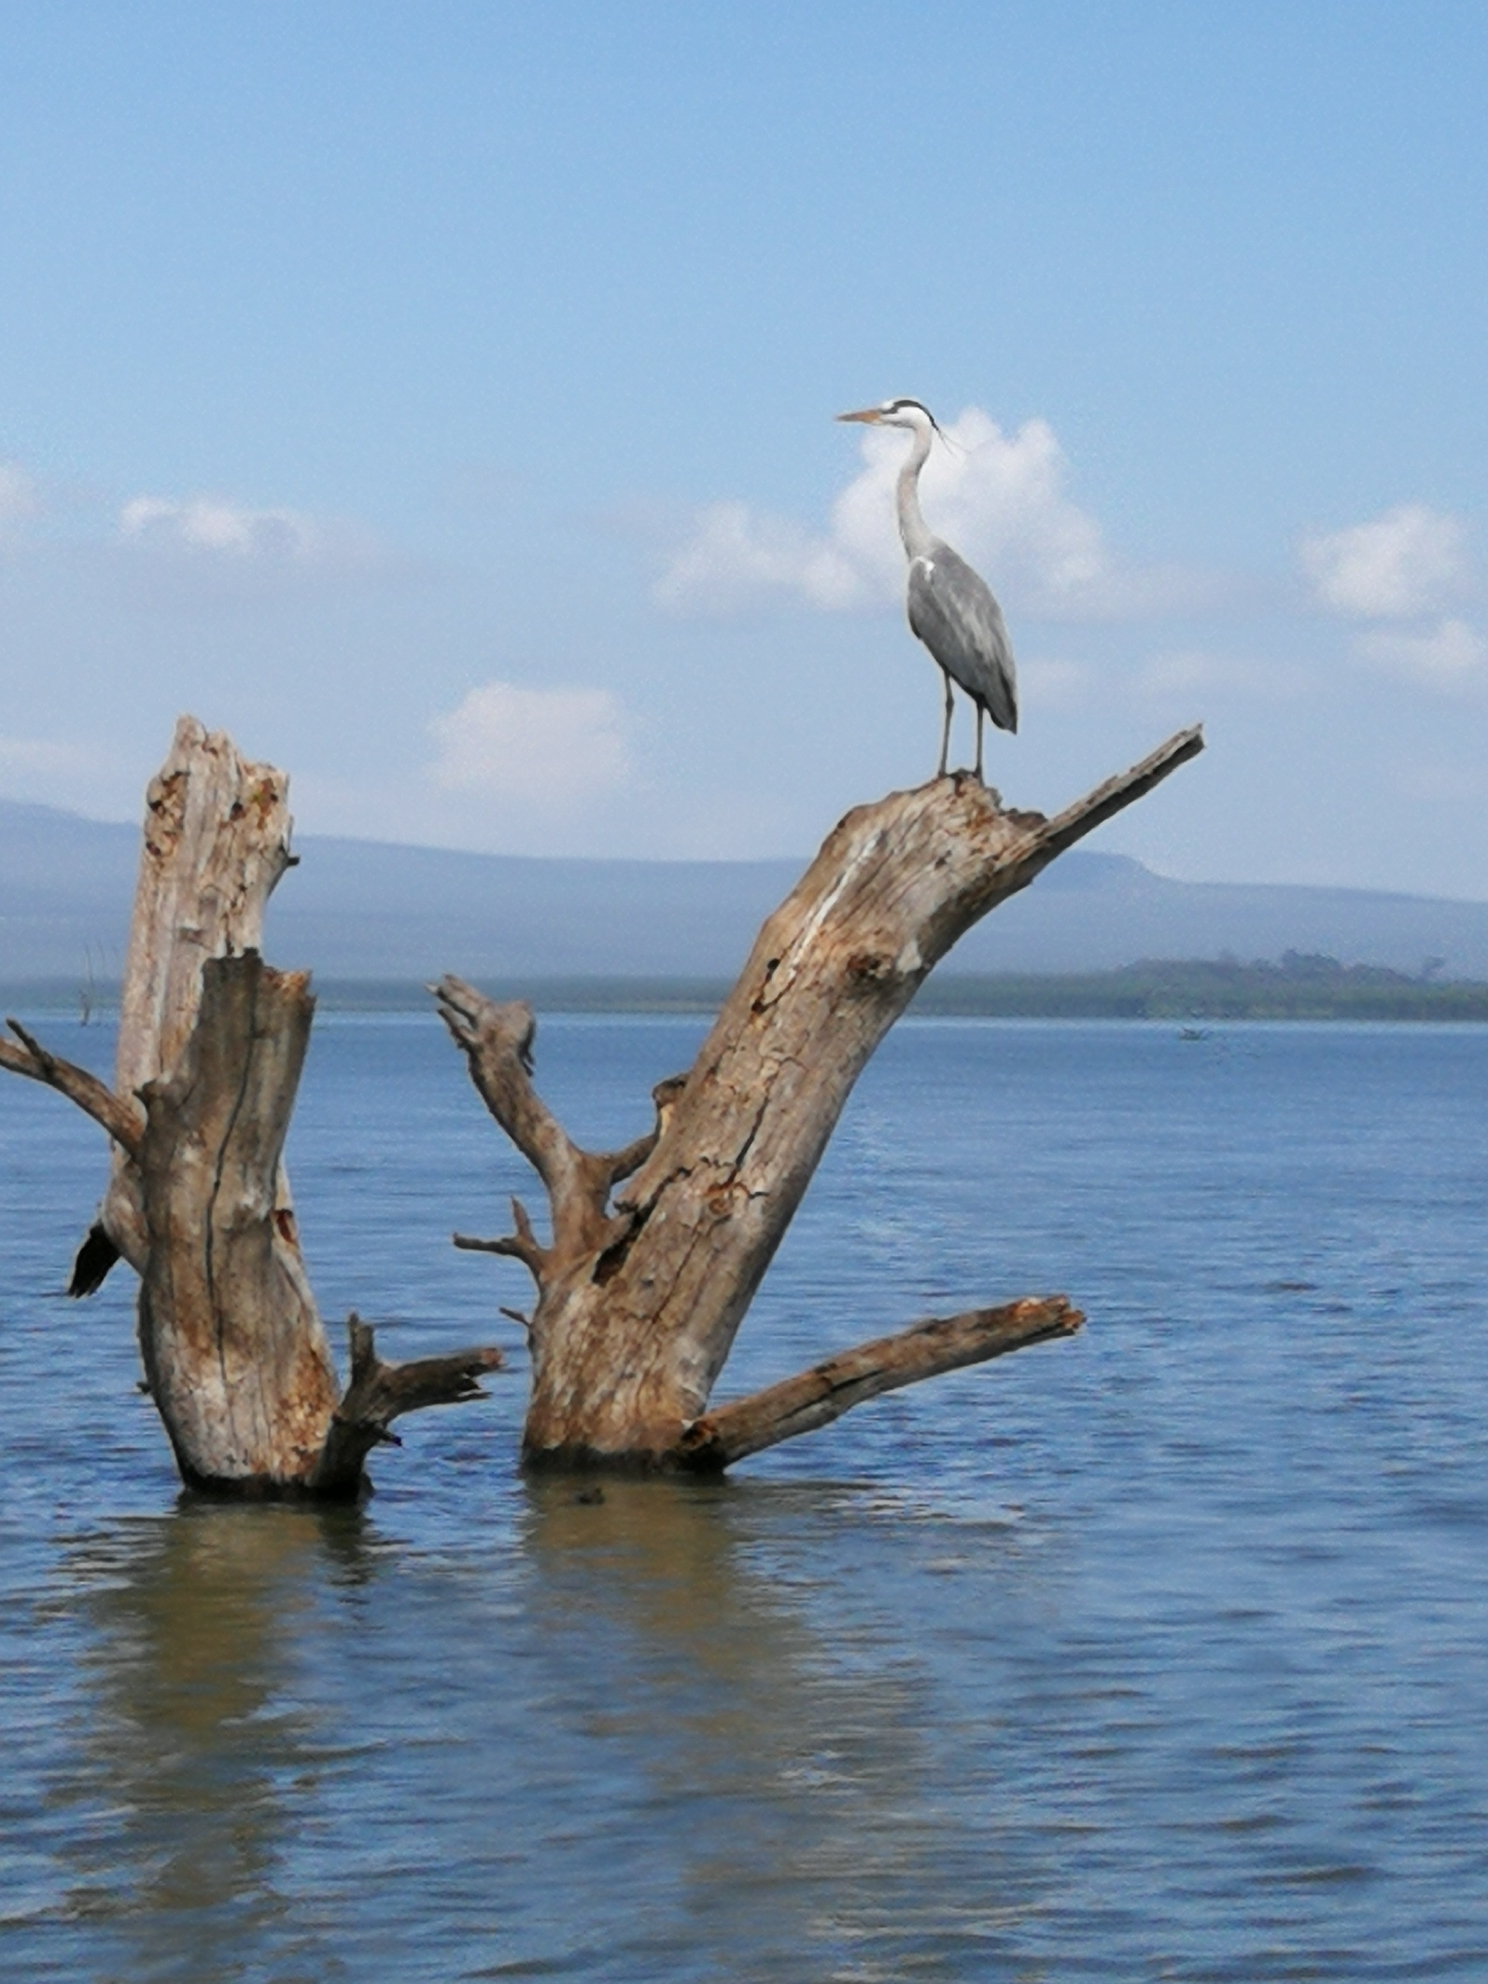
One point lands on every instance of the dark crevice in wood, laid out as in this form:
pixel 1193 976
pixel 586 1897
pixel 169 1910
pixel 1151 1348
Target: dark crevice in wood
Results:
pixel 612 1258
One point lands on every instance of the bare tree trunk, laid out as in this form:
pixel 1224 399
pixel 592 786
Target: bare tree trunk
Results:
pixel 216 841
pixel 212 1042
pixel 234 1350
pixel 657 1250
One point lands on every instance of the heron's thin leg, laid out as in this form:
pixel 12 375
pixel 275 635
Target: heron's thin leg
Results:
pixel 980 714
pixel 945 739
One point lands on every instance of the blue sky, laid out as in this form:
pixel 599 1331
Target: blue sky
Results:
pixel 439 397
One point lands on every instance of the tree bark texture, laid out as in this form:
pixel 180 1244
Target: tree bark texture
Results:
pixel 216 841
pixel 234 1350
pixel 837 1384
pixel 657 1250
pixel 212 1043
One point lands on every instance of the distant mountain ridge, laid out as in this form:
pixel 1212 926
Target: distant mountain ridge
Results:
pixel 364 910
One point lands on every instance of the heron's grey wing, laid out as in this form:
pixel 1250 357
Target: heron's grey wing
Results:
pixel 952 610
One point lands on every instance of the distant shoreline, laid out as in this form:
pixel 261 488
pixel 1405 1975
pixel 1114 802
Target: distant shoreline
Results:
pixel 1297 988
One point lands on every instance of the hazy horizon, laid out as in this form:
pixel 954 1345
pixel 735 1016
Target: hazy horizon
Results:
pixel 361 908
pixel 799 858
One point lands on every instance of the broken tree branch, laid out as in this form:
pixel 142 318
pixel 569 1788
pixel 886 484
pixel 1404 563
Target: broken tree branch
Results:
pixel 523 1245
pixel 496 1040
pixel 1121 791
pixel 379 1393
pixel 816 1397
pixel 622 1164
pixel 123 1119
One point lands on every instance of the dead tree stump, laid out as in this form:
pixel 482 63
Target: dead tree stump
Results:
pixel 656 1250
pixel 211 1045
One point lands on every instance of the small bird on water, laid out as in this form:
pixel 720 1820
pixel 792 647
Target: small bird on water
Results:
pixel 951 608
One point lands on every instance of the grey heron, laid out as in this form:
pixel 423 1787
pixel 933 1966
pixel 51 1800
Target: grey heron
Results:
pixel 951 607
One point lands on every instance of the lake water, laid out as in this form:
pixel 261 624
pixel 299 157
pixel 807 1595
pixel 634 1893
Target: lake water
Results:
pixel 1161 1653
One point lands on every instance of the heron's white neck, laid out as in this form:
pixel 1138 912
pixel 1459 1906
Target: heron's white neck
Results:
pixel 912 526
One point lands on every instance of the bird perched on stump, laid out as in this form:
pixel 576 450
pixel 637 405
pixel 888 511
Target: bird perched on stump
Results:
pixel 951 608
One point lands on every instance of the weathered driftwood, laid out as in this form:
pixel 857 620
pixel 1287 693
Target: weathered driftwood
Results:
pixel 818 1396
pixel 211 1048
pixel 216 841
pixel 234 1350
pixel 379 1393
pixel 656 1250
pixel 121 1116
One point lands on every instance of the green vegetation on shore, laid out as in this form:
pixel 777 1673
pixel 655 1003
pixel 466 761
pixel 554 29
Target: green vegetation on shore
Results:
pixel 1300 987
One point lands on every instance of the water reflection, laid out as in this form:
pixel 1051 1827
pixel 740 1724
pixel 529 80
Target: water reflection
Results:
pixel 624 1738
pixel 793 1770
pixel 195 1767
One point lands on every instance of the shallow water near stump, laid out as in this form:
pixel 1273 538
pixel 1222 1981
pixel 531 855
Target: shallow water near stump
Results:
pixel 1161 1653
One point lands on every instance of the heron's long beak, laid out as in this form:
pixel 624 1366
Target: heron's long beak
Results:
pixel 870 416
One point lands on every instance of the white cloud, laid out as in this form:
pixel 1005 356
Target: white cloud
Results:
pixel 20 499
pixel 737 555
pixel 1410 560
pixel 1449 656
pixel 999 498
pixel 550 747
pixel 206 523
